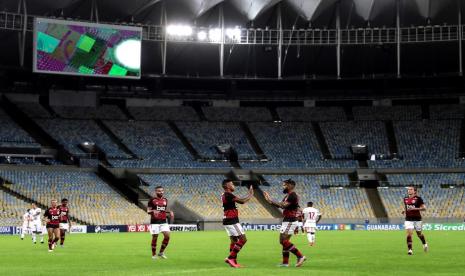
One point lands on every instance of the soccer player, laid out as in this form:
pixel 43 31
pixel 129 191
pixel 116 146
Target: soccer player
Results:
pixel 52 218
pixel 26 228
pixel 311 217
pixel 290 205
pixel 65 223
pixel 413 206
pixel 231 220
pixel 158 208
pixel 36 223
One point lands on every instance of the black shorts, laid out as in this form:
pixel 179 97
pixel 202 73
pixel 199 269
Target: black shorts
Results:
pixel 54 226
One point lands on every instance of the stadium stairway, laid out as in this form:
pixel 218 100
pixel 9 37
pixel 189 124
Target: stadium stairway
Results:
pixel 198 109
pixel 121 104
pixel 36 132
pixel 391 136
pixel 274 114
pixel 371 189
pixel 7 190
pixel 258 193
pixel 184 140
pixel 252 140
pixel 44 102
pixel 114 138
pixel 321 140
pixel 122 186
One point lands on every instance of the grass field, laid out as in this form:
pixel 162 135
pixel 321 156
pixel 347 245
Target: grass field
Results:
pixel 202 253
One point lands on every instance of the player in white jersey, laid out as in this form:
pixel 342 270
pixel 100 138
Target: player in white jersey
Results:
pixel 311 217
pixel 27 221
pixel 36 225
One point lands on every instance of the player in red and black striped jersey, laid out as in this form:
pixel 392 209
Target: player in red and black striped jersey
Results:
pixel 52 219
pixel 290 206
pixel 231 220
pixel 65 223
pixel 157 209
pixel 413 206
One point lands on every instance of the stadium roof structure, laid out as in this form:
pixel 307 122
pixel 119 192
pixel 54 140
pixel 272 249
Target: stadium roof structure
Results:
pixel 277 38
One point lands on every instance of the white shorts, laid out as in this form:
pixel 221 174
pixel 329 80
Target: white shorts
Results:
pixel 417 225
pixel 37 227
pixel 234 230
pixel 288 227
pixel 26 229
pixel 64 226
pixel 155 229
pixel 310 226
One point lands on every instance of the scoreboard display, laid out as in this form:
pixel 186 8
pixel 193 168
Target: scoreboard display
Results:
pixel 87 49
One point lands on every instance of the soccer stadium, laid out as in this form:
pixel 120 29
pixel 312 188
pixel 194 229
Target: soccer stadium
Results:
pixel 247 137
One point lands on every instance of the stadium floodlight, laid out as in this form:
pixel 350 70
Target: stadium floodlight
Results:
pixel 215 35
pixel 179 30
pixel 233 33
pixel 202 36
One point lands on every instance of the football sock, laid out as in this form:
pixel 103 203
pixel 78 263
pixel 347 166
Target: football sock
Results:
pixel 422 238
pixel 409 242
pixel 62 238
pixel 285 256
pixel 55 240
pixel 231 246
pixel 164 244
pixel 154 246
pixel 50 242
pixel 237 247
pixel 290 247
pixel 33 237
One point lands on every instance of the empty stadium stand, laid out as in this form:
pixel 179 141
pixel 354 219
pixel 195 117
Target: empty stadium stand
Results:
pixel 90 199
pixel 202 194
pixel 11 135
pixel 443 199
pixel 333 203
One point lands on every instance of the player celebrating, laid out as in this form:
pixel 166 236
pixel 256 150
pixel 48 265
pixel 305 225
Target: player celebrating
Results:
pixel 26 228
pixel 52 218
pixel 413 206
pixel 290 205
pixel 36 223
pixel 231 221
pixel 157 208
pixel 311 217
pixel 65 223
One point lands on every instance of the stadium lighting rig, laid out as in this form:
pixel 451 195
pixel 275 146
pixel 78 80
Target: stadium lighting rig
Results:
pixel 212 35
pixel 215 35
pixel 233 33
pixel 179 30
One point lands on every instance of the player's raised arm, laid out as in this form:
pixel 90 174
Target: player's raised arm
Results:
pixel 275 203
pixel 245 199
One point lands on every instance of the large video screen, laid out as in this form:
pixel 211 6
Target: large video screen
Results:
pixel 87 49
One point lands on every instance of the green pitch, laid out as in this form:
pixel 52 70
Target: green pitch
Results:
pixel 202 253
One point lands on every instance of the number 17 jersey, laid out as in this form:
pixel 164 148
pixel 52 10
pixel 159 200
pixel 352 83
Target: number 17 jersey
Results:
pixel 310 214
